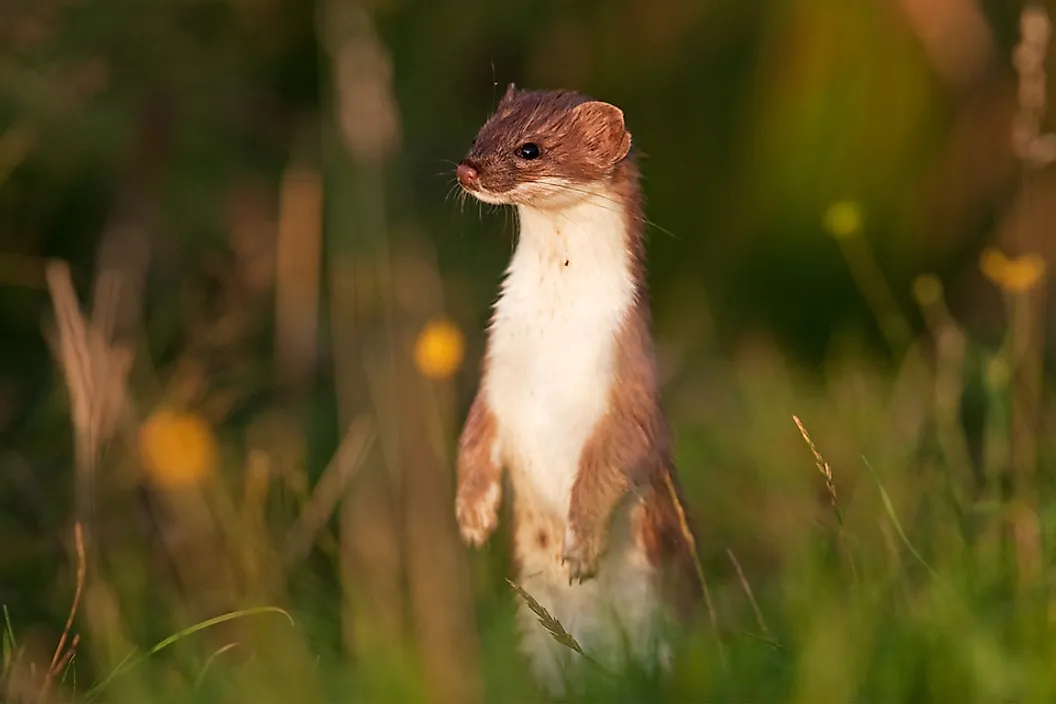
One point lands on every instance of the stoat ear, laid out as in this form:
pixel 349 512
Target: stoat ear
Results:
pixel 511 89
pixel 603 131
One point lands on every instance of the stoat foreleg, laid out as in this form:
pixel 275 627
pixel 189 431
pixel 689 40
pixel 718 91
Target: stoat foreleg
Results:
pixel 620 456
pixel 479 475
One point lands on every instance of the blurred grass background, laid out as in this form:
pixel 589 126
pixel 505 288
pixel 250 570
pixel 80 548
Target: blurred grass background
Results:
pixel 241 321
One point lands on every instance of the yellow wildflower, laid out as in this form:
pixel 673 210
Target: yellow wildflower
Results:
pixel 439 349
pixel 843 219
pixel 992 263
pixel 1023 273
pixel 178 449
pixel 1011 275
pixel 927 289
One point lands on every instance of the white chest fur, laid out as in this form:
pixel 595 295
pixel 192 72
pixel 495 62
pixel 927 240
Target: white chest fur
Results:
pixel 552 343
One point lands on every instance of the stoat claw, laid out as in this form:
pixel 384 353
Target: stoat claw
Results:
pixel 580 555
pixel 477 512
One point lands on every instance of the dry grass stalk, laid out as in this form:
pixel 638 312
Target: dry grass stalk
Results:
pixel 1027 301
pixel 297 269
pixel 751 596
pixel 1028 58
pixel 691 542
pixel 830 486
pixel 554 627
pixel 870 281
pixel 1025 357
pixel 95 370
pixel 551 624
pixel 329 489
pixel 67 658
pixel 62 655
pixel 824 468
pixel 951 344
pixel 366 110
pixel 255 486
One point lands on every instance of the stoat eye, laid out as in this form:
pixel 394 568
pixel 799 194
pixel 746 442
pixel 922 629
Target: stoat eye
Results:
pixel 529 150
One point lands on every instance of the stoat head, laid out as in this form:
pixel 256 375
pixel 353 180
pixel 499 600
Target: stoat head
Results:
pixel 546 149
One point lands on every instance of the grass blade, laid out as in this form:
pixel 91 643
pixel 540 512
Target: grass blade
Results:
pixel 890 509
pixel 128 662
pixel 9 644
pixel 691 544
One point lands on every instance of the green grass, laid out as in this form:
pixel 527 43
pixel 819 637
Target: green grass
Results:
pixel 904 590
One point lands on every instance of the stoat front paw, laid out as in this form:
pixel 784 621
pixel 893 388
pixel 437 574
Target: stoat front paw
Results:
pixel 580 554
pixel 477 511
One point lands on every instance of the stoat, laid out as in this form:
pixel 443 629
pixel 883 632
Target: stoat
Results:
pixel 568 400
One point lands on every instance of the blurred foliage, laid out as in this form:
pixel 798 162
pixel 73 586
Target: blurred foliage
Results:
pixel 839 229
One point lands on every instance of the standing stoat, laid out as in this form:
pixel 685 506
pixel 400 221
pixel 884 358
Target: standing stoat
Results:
pixel 568 402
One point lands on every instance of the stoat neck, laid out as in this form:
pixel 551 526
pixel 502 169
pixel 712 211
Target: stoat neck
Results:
pixel 587 238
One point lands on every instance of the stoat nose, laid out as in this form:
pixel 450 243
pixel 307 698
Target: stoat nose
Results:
pixel 466 174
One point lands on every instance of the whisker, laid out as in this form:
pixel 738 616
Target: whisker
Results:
pixel 452 190
pixel 641 218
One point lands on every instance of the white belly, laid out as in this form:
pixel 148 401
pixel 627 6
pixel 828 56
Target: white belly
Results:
pixel 548 390
pixel 553 341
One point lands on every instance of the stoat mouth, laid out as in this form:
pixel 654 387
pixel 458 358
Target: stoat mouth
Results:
pixel 487 196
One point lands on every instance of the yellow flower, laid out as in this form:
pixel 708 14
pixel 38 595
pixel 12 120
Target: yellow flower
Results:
pixel 927 289
pixel 1011 275
pixel 438 350
pixel 1023 273
pixel 843 219
pixel 178 449
pixel 993 264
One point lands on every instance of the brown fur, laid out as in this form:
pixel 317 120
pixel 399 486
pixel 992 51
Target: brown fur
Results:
pixel 478 473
